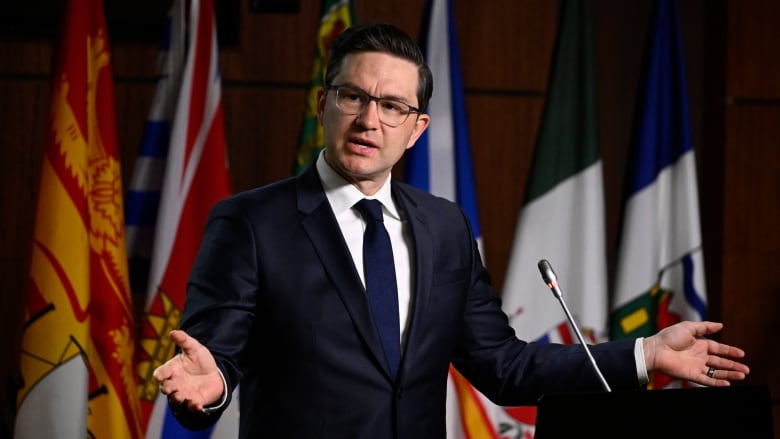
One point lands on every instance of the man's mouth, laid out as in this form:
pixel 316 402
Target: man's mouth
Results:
pixel 362 143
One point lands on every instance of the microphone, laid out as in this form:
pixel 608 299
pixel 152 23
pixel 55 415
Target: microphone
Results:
pixel 548 276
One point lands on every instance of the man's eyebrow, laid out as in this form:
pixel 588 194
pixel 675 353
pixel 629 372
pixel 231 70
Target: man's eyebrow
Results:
pixel 390 96
pixel 396 98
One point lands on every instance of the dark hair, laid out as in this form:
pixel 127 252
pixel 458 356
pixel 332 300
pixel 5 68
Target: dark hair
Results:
pixel 381 37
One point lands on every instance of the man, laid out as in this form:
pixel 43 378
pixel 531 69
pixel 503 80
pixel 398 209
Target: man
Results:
pixel 276 299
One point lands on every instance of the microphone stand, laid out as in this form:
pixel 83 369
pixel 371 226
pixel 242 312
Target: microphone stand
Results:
pixel 552 282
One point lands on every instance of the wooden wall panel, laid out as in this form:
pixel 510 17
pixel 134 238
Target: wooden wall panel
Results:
pixel 503 130
pixel 752 236
pixel 751 182
pixel 506 45
pixel 751 240
pixel 277 48
pixel 754 64
pixel 134 62
pixel 261 134
pixel 406 14
pixel 26 58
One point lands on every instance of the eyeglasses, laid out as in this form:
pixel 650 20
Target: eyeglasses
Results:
pixel 352 100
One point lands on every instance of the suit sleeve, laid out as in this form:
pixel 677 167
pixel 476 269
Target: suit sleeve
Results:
pixel 510 371
pixel 221 296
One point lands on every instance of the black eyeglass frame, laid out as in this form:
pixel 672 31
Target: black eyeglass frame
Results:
pixel 370 98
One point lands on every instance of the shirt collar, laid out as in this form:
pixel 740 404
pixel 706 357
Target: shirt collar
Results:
pixel 342 195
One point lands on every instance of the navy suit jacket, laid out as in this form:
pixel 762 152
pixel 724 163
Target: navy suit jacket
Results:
pixel 276 298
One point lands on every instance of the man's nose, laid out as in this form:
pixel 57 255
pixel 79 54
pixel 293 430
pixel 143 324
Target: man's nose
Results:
pixel 369 114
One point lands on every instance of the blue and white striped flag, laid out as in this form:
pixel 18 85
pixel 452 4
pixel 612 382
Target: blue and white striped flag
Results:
pixel 660 272
pixel 440 163
pixel 143 196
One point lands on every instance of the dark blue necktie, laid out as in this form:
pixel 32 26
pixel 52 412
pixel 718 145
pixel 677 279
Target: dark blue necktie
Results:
pixel 381 288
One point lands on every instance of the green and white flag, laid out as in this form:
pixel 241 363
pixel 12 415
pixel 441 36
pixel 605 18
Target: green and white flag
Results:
pixel 562 218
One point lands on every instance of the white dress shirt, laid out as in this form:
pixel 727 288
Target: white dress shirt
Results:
pixel 342 196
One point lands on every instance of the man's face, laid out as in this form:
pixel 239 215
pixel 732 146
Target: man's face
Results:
pixel 359 147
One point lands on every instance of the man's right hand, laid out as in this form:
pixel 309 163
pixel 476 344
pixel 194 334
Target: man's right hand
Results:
pixel 191 377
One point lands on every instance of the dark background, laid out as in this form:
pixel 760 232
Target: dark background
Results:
pixel 267 50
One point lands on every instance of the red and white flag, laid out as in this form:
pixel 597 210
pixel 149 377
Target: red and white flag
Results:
pixel 196 177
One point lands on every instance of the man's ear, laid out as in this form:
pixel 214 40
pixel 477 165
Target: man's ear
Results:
pixel 321 95
pixel 420 125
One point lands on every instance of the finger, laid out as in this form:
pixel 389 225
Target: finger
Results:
pixel 184 341
pixel 165 388
pixel 726 364
pixel 706 327
pixel 177 398
pixel 194 407
pixel 724 350
pixel 707 377
pixel 720 378
pixel 729 375
pixel 178 336
pixel 168 387
pixel 162 373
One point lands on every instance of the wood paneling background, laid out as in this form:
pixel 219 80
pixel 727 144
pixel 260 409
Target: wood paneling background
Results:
pixel 506 47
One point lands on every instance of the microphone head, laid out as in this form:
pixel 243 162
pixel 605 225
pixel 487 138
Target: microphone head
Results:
pixel 548 275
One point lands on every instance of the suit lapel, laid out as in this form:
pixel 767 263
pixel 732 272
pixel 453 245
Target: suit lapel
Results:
pixel 323 231
pixel 423 256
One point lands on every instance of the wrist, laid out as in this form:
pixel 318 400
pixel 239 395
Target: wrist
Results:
pixel 648 347
pixel 220 402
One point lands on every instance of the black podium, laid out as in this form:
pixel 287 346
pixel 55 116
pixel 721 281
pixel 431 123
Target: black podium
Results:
pixel 738 411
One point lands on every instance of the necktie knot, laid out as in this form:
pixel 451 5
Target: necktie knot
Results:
pixel 370 209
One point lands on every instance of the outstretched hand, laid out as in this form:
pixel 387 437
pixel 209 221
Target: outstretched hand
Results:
pixel 191 377
pixel 681 351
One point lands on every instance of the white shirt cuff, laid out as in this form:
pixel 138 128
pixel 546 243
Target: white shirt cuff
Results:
pixel 221 403
pixel 639 358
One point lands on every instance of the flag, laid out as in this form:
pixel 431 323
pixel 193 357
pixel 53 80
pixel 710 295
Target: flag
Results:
pixel 336 15
pixel 182 171
pixel 78 339
pixel 440 163
pixel 143 196
pixel 562 217
pixel 660 271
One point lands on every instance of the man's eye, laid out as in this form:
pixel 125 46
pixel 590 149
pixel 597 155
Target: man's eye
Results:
pixel 393 106
pixel 351 96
